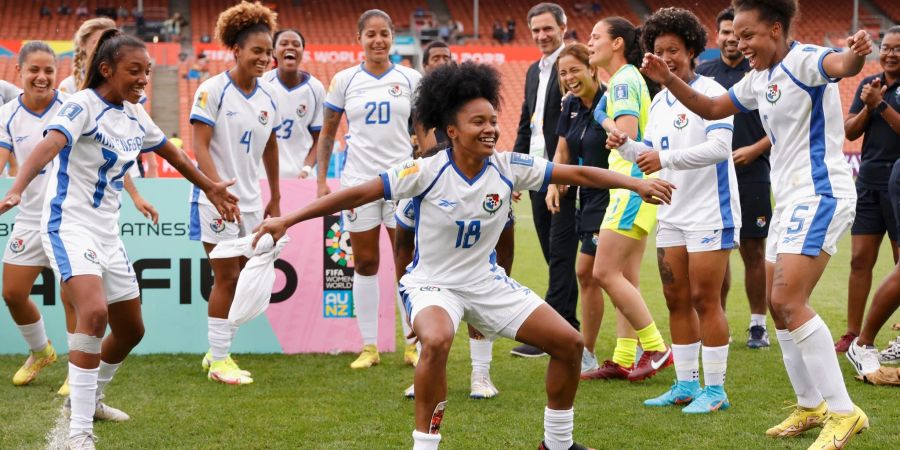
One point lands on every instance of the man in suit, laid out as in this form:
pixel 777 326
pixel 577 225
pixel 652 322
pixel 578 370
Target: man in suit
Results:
pixel 537 137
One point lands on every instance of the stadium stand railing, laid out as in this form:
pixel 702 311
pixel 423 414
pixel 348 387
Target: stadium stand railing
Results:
pixel 29 24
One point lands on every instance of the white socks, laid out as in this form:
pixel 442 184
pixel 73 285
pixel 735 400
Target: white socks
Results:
pixel 105 375
pixel 758 319
pixel 481 351
pixel 83 388
pixel 219 334
pixel 35 335
pixel 558 426
pixel 687 361
pixel 808 395
pixel 404 320
pixel 715 361
pixel 425 441
pixel 816 346
pixel 365 301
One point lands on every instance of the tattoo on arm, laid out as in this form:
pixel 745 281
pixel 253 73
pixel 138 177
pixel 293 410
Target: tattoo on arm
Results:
pixel 665 269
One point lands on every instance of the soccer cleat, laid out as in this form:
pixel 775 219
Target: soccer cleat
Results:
pixel 800 420
pixel 575 446
pixel 681 393
pixel 64 389
pixel 527 351
pixel 650 363
pixel 207 361
pixel 608 371
pixel 33 365
pixel 411 355
pixel 843 343
pixel 225 373
pixel 891 354
pixel 482 387
pixel 863 357
pixel 588 362
pixel 712 398
pixel 367 358
pixel 839 428
pixel 410 392
pixel 759 337
pixel 105 412
pixel 83 441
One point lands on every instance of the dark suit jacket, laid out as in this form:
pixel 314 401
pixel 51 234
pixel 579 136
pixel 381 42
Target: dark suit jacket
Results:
pixel 552 107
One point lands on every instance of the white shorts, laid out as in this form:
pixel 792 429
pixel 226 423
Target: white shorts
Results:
pixel 25 248
pixel 208 226
pixel 370 216
pixel 697 241
pixel 495 307
pixel 808 225
pixel 78 251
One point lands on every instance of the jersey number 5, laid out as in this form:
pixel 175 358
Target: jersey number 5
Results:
pixel 468 234
pixel 378 112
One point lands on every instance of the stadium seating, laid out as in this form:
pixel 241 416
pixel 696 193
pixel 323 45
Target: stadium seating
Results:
pixel 28 23
pixel 890 7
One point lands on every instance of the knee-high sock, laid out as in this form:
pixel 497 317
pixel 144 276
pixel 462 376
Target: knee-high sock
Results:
pixel 625 351
pixel 715 361
pixel 105 375
pixel 365 301
pixel 558 426
pixel 83 389
pixel 219 334
pixel 425 441
pixel 808 395
pixel 687 361
pixel 817 347
pixel 481 351
pixel 35 335
pixel 404 320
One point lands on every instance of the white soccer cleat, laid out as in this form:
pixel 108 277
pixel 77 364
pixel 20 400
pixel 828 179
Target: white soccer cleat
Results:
pixel 588 361
pixel 482 387
pixel 106 412
pixel 410 392
pixel 84 441
pixel 863 358
pixel 891 355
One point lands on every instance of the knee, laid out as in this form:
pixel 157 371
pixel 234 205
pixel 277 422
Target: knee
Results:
pixel 604 275
pixel 93 319
pixel 227 279
pixel 14 296
pixel 366 266
pixel 568 347
pixel 862 261
pixel 135 335
pixel 585 276
pixel 783 308
pixel 705 302
pixel 436 345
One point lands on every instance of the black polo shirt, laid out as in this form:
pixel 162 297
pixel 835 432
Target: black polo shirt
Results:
pixel 748 128
pixel 587 141
pixel 881 145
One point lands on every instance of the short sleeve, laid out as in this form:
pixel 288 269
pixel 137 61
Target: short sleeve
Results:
pixel 154 138
pixel 318 92
pixel 807 66
pixel 6 141
pixel 625 97
pixel 406 214
pixel 528 172
pixel 405 180
pixel 72 120
pixel 857 106
pixel 334 99
pixel 206 103
pixel 743 95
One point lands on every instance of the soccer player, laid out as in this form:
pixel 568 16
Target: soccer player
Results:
pixel 235 121
pixel 8 91
pixel 377 97
pixel 451 278
pixel 792 85
pixel 750 152
pixel 299 97
pixel 615 47
pixel 581 138
pixel 97 134
pixel 699 228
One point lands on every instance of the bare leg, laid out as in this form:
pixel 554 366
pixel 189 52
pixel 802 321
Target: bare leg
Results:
pixel 17 283
pixel 753 252
pixel 591 300
pixel 864 250
pixel 435 330
pixel 684 324
pixel 885 302
pixel 547 330
pixel 706 273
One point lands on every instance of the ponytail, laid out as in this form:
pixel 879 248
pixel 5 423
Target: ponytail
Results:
pixel 86 29
pixel 107 51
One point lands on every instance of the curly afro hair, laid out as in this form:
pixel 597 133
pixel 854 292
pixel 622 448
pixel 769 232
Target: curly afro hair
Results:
pixel 772 11
pixel 445 90
pixel 677 21
pixel 239 21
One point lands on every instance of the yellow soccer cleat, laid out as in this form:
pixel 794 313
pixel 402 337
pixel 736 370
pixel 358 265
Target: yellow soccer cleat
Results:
pixel 411 355
pixel 225 373
pixel 64 389
pixel 368 358
pixel 33 365
pixel 207 361
pixel 800 420
pixel 839 428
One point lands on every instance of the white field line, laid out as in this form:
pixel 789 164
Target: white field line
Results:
pixel 57 436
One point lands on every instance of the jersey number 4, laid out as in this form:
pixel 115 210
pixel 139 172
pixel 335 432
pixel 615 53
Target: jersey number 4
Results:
pixel 467 234
pixel 378 112
pixel 245 139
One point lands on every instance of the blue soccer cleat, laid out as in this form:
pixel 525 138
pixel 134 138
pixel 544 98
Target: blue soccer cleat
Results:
pixel 712 398
pixel 681 393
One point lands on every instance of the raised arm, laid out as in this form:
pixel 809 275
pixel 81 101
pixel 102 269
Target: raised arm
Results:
pixel 43 153
pixel 849 63
pixel 326 145
pixel 709 108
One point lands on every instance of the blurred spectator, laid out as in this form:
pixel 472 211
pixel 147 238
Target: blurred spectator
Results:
pixel 444 31
pixel 122 12
pixel 510 29
pixel 596 7
pixel 200 69
pixel 172 26
pixel 499 32
pixel 45 10
pixel 64 9
pixel 81 10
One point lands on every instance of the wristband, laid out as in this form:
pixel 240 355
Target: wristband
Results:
pixel 882 105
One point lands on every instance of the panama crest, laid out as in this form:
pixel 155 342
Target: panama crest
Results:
pixel 492 203
pixel 16 245
pixel 217 225
pixel 681 121
pixel 773 93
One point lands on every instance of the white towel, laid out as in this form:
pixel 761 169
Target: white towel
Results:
pixel 254 286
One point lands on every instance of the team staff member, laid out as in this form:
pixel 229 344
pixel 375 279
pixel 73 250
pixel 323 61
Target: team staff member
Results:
pixel 869 115
pixel 750 148
pixel 537 137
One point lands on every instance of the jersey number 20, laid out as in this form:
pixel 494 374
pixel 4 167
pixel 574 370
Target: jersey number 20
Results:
pixel 378 112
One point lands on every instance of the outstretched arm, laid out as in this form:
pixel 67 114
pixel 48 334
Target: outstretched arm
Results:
pixel 849 63
pixel 709 108
pixel 654 191
pixel 216 191
pixel 43 153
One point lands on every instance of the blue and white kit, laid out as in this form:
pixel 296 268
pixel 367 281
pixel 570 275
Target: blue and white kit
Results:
pixel 301 110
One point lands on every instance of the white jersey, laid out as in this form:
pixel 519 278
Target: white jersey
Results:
pixel 8 92
pixel 86 182
pixel 68 85
pixel 242 125
pixel 20 130
pixel 301 115
pixel 706 197
pixel 378 111
pixel 459 220
pixel 800 107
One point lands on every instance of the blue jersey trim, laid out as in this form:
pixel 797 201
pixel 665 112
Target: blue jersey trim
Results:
pixel 817 144
pixel 727 239
pixel 246 96
pixel 45 111
pixel 107 102
pixel 334 107
pixel 61 129
pixel 59 253
pixel 484 166
pixel 737 102
pixel 548 173
pixel 194 226
pixel 719 126
pixel 822 67
pixel 386 182
pixel 815 237
pixel 403 225
pixel 303 81
pixel 724 189
pixel 6 146
pixel 62 187
pixel 314 129
pixel 8 122
pixel 156 147
pixel 502 177
pixel 648 143
pixel 362 66
pixel 201 119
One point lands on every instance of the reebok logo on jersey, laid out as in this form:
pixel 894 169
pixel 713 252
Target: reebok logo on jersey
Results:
pixel 444 203
pixel 710 239
pixel 263 117
pixel 522 159
pixel 491 203
pixel 620 92
pixel 231 113
pixel 70 111
pixel 16 245
pixel 217 225
pixel 301 110
pixel 91 256
pixel 773 93
pixel 681 121
pixel 19 139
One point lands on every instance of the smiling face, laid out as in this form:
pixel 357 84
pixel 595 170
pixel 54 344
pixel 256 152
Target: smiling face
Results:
pixel 547 34
pixel 475 129
pixel 129 75
pixel 757 39
pixel 376 39
pixel 889 54
pixel 728 41
pixel 576 77
pixel 600 45
pixel 672 50
pixel 289 50
pixel 254 55
pixel 38 75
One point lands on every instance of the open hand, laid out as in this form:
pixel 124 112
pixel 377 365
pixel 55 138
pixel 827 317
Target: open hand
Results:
pixel 146 209
pixel 656 69
pixel 225 202
pixel 552 199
